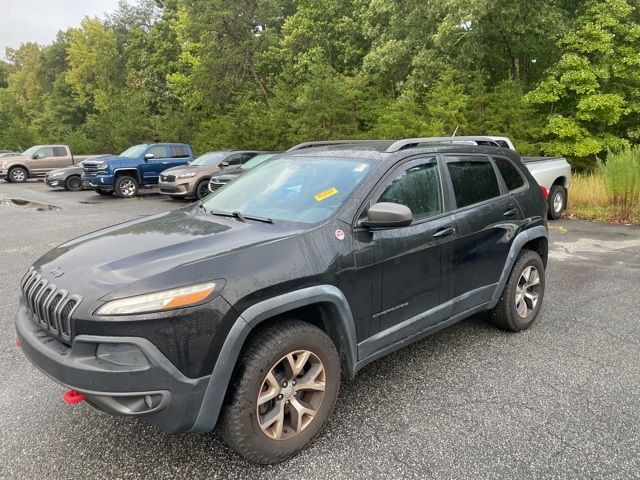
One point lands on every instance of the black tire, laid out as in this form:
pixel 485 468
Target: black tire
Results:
pixel 105 193
pixel 202 189
pixel 557 201
pixel 17 175
pixel 126 186
pixel 73 183
pixel 505 314
pixel 238 425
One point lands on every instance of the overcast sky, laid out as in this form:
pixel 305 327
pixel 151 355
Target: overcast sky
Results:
pixel 40 20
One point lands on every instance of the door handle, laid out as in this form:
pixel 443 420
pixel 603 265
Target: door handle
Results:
pixel 444 232
pixel 510 213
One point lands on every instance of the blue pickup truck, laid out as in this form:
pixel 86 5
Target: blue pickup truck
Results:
pixel 137 167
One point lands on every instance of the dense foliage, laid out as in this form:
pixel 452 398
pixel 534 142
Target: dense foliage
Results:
pixel 559 76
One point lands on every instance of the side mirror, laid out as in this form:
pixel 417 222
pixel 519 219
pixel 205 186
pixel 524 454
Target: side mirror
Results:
pixel 35 156
pixel 148 156
pixel 388 215
pixel 224 164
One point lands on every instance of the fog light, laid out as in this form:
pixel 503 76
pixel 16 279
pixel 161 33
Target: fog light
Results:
pixel 123 354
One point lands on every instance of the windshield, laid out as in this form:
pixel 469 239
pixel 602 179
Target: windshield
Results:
pixel 299 189
pixel 257 160
pixel 209 158
pixel 30 151
pixel 134 151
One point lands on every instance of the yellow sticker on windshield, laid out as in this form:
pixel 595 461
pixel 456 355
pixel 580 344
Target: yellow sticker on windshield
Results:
pixel 326 194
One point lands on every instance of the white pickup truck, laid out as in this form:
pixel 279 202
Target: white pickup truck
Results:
pixel 553 173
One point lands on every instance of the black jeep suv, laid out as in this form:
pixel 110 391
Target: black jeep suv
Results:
pixel 243 310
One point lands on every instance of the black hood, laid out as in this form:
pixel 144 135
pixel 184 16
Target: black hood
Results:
pixel 158 252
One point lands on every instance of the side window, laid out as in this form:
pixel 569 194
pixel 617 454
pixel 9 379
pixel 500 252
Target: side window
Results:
pixel 418 188
pixel 248 156
pixel 59 151
pixel 179 151
pixel 45 152
pixel 474 180
pixel 512 177
pixel 158 151
pixel 235 159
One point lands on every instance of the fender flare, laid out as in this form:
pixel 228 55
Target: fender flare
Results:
pixel 221 376
pixel 125 170
pixel 521 239
pixel 19 165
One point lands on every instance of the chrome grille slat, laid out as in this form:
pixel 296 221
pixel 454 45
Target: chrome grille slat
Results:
pixel 50 307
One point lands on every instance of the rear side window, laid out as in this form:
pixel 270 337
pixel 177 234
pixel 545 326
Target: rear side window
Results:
pixel 473 181
pixel 418 188
pixel 179 151
pixel 59 151
pixel 510 173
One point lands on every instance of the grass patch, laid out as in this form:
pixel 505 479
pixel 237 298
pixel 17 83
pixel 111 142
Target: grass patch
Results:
pixel 589 200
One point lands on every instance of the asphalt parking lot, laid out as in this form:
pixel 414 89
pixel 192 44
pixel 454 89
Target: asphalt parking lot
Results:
pixel 558 401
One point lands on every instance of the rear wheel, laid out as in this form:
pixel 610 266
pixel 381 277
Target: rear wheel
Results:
pixel 284 390
pixel 73 183
pixel 18 175
pixel 522 296
pixel 557 201
pixel 202 189
pixel 126 186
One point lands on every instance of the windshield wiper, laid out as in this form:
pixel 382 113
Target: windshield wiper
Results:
pixel 239 215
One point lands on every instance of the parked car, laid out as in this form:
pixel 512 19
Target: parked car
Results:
pixel 36 162
pixel 229 174
pixel 192 180
pixel 69 178
pixel 245 309
pixel 137 167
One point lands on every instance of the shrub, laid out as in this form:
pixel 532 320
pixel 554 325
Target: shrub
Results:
pixel 621 174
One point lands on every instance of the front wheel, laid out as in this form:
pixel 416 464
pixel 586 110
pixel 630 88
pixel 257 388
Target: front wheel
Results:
pixel 73 183
pixel 285 388
pixel 520 302
pixel 557 201
pixel 202 189
pixel 18 175
pixel 126 186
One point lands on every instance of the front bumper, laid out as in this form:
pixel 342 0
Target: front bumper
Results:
pixel 98 181
pixel 175 188
pixel 54 182
pixel 4 173
pixel 118 375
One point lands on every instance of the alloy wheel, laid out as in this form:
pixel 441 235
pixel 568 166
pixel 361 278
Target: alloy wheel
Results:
pixel 127 188
pixel 291 395
pixel 18 175
pixel 557 202
pixel 527 291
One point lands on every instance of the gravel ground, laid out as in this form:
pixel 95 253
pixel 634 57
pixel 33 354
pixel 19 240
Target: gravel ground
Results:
pixel 558 401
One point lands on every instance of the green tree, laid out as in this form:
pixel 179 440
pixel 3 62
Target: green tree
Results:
pixel 592 95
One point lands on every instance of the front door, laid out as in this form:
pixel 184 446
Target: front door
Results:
pixel 414 260
pixel 488 218
pixel 153 166
pixel 42 161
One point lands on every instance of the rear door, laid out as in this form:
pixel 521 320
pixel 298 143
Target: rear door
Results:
pixel 63 157
pixel 413 260
pixel 488 217
pixel 42 161
pixel 179 155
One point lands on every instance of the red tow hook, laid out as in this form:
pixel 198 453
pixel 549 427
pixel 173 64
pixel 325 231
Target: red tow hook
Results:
pixel 71 397
pixel 18 342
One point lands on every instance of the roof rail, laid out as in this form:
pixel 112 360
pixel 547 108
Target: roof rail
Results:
pixel 411 142
pixel 326 143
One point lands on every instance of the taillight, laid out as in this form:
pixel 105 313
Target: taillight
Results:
pixel 545 192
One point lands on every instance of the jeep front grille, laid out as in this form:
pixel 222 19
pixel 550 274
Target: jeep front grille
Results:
pixel 50 307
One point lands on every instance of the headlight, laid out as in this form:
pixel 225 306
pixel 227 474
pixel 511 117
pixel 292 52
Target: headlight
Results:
pixel 55 174
pixel 158 301
pixel 101 166
pixel 186 175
